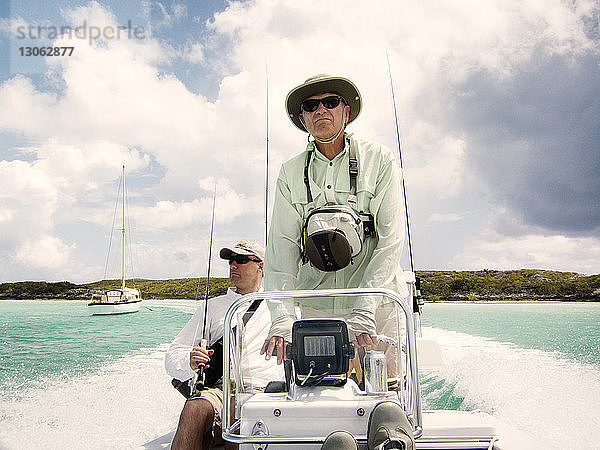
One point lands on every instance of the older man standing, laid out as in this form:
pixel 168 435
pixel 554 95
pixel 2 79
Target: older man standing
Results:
pixel 337 223
pixel 339 169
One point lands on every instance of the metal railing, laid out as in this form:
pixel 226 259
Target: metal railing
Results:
pixel 413 399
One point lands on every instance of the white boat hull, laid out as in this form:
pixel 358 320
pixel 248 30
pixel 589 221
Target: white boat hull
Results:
pixel 115 308
pixel 323 411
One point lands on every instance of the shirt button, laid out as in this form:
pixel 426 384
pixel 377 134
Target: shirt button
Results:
pixel 328 186
pixel 330 163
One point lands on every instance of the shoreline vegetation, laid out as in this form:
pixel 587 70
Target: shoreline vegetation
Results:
pixel 436 286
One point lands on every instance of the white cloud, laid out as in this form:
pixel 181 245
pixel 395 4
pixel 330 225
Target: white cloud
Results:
pixel 121 101
pixel 30 198
pixel 194 53
pixel 14 26
pixel 534 251
pixel 38 198
pixel 166 17
pixel 443 218
pixel 44 252
pixel 94 14
pixel 439 170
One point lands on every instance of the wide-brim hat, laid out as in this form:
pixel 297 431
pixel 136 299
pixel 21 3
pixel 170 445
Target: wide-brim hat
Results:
pixel 243 248
pixel 320 84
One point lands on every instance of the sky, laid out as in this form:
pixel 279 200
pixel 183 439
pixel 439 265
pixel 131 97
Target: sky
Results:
pixel 497 103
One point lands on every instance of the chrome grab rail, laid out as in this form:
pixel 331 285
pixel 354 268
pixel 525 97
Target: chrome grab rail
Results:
pixel 414 398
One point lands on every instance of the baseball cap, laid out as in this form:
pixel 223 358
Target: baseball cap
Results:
pixel 243 248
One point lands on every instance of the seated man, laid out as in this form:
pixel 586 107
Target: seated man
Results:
pixel 200 421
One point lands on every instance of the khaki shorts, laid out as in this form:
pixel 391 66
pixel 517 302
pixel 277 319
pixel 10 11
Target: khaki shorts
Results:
pixel 215 397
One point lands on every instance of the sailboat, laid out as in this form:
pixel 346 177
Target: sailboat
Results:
pixel 122 300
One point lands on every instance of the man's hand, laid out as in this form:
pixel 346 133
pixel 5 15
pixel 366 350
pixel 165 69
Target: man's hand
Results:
pixel 274 345
pixel 365 339
pixel 200 357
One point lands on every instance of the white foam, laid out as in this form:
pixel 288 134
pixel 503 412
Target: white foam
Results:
pixel 187 306
pixel 555 400
pixel 130 404
pixel 126 404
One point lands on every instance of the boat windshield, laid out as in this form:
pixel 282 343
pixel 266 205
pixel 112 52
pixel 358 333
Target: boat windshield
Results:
pixel 319 325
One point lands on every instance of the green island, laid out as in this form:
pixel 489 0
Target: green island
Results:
pixel 483 285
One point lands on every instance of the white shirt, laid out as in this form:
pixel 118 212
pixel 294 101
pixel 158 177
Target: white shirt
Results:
pixel 255 369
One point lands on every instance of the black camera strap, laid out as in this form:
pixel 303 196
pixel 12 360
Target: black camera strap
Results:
pixel 352 171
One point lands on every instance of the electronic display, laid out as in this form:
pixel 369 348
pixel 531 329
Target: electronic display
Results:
pixel 319 345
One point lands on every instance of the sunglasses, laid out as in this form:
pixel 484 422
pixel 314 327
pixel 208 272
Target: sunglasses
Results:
pixel 312 104
pixel 241 259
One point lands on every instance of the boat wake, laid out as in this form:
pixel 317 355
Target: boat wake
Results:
pixel 555 399
pixel 130 404
pixel 124 404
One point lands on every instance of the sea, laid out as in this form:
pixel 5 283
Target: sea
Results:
pixel 69 380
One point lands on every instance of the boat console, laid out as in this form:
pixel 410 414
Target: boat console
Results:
pixel 329 383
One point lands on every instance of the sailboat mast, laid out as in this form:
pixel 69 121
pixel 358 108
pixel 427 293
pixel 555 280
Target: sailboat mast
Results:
pixel 123 237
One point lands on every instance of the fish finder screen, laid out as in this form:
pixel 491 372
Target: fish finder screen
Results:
pixel 319 345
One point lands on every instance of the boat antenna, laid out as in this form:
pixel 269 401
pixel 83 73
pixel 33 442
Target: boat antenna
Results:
pixel 198 380
pixel 267 157
pixel 417 296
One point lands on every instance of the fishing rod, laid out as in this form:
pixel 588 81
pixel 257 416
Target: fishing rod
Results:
pixel 267 159
pixel 198 379
pixel 417 296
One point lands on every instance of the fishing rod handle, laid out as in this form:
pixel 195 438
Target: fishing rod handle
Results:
pixel 198 380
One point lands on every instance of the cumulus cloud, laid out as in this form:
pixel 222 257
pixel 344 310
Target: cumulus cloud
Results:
pixel 229 204
pixel 443 218
pixel 535 140
pixel 194 53
pixel 493 250
pixel 44 252
pixel 165 16
pixel 111 106
pixel 497 97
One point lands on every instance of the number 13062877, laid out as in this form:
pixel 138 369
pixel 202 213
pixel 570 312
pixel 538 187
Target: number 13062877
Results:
pixel 46 51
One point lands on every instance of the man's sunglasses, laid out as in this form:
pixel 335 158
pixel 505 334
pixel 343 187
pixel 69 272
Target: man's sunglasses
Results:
pixel 312 104
pixel 241 259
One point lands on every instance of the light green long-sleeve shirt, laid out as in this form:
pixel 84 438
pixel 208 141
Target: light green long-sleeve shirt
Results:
pixel 378 193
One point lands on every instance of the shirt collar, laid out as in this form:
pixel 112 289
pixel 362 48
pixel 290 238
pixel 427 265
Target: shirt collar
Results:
pixel 232 293
pixel 311 147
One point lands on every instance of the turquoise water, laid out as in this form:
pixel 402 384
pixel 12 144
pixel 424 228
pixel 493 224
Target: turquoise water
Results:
pixel 534 366
pixel 571 329
pixel 41 339
pixel 71 380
